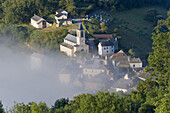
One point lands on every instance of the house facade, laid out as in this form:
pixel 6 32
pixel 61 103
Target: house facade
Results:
pixel 39 22
pixel 36 61
pixel 73 44
pixel 135 63
pixel 107 47
pixel 63 22
pixel 61 17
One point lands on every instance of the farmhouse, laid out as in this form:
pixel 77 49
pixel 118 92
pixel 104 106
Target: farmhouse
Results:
pixel 72 43
pixel 63 22
pixel 39 22
pixel 92 68
pixel 61 14
pixel 135 63
pixel 107 47
pixel 61 18
pixel 103 37
pixel 121 60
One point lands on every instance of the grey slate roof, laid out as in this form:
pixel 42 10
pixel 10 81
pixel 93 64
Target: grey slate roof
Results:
pixel 123 84
pixel 36 17
pixel 58 15
pixel 59 10
pixel 71 38
pixel 94 64
pixel 108 43
pixel 69 19
pixel 80 27
pixel 67 45
pixel 135 60
pixel 37 55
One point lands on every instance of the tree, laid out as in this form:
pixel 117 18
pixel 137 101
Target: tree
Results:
pixel 146 108
pixel 159 59
pixel 60 103
pixel 131 52
pixel 104 28
pixel 1 107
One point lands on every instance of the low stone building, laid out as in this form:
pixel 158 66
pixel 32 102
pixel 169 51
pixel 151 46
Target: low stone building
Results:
pixel 92 68
pixel 120 59
pixel 135 63
pixel 36 61
pixel 73 44
pixel 61 14
pixel 39 22
pixel 63 22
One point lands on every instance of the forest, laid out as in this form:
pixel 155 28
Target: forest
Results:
pixel 20 11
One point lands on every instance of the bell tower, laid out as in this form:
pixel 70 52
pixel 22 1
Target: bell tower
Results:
pixel 80 35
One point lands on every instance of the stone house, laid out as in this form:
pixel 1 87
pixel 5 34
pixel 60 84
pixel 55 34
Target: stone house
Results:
pixel 61 14
pixel 73 43
pixel 107 47
pixel 39 22
pixel 103 37
pixel 36 61
pixel 135 63
pixel 61 17
pixel 121 60
pixel 63 22
pixel 92 68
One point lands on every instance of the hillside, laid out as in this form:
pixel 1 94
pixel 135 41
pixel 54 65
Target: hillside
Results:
pixel 134 30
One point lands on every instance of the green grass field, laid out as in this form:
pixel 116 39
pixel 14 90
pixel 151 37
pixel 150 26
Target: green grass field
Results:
pixel 135 32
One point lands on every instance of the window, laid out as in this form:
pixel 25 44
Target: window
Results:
pixel 82 34
pixel 82 49
pixel 133 65
pixel 107 51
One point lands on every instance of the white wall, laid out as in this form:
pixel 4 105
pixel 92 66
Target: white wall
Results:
pixel 137 65
pixel 36 63
pixel 118 89
pixel 106 50
pixel 66 50
pixel 34 23
pixel 61 17
pixel 92 72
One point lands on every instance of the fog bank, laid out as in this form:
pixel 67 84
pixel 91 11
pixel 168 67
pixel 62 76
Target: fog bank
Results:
pixel 21 84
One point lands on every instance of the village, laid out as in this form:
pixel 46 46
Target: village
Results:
pixel 93 67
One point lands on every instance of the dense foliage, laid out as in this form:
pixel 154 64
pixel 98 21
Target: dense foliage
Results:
pixel 20 11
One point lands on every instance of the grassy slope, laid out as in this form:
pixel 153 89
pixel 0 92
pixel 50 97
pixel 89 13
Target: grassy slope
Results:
pixel 134 30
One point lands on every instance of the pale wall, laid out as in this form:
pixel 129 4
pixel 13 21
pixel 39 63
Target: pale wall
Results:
pixel 103 52
pixel 137 65
pixel 66 50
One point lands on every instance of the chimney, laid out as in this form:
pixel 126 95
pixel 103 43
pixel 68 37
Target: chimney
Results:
pixel 106 60
pixel 108 72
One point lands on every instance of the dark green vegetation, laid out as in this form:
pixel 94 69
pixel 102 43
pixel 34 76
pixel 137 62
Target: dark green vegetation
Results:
pixel 152 95
pixel 20 11
pixel 133 26
pixel 134 30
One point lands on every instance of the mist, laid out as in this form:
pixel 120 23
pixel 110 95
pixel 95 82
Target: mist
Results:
pixel 20 83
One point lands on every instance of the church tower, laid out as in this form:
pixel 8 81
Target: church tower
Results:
pixel 80 35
